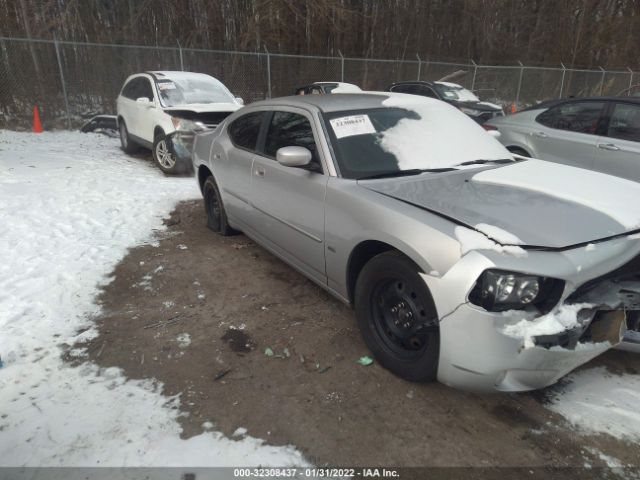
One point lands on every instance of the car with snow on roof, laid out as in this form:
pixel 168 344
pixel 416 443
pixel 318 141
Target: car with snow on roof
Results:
pixel 465 264
pixel 163 110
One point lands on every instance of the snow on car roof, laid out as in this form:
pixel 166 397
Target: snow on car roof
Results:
pixel 179 75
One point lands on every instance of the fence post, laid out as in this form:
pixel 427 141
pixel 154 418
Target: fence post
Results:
pixel 64 86
pixel 419 65
pixel 564 71
pixel 268 71
pixel 341 66
pixel 475 72
pixel 602 80
pixel 630 82
pixel 519 84
pixel 180 51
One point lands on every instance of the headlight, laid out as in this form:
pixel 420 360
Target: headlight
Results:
pixel 497 290
pixel 182 125
pixel 471 111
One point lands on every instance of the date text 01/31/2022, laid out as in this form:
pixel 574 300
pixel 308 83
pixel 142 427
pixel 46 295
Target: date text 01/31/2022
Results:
pixel 315 472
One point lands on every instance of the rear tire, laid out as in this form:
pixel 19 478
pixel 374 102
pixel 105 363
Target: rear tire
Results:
pixel 519 151
pixel 397 317
pixel 128 145
pixel 216 215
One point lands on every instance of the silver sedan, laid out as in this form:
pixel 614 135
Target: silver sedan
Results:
pixel 463 264
pixel 601 134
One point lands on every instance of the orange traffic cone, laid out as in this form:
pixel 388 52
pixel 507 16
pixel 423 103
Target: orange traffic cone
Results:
pixel 37 125
pixel 513 108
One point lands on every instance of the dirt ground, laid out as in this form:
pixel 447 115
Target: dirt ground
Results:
pixel 235 300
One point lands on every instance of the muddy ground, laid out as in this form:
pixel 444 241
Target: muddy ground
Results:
pixel 235 300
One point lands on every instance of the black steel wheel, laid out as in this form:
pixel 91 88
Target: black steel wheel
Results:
pixel 397 317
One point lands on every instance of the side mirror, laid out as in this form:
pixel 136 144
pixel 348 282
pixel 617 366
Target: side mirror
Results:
pixel 293 156
pixel 143 101
pixel 240 100
pixel 494 133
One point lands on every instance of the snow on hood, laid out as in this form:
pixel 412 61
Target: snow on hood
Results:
pixel 474 240
pixel 442 137
pixel 612 196
pixel 346 88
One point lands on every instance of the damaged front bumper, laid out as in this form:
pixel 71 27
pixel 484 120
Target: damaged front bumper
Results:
pixel 485 358
pixel 181 144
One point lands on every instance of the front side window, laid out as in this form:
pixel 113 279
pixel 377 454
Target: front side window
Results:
pixel 244 130
pixel 289 130
pixel 581 117
pixel 625 122
pixel 145 89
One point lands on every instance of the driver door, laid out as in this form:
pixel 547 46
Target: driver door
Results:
pixel 289 201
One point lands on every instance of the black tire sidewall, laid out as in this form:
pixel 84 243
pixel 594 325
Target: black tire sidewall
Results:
pixel 382 267
pixel 211 188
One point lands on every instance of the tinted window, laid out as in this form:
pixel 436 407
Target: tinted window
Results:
pixel 576 116
pixel 425 91
pixel 403 88
pixel 129 90
pixel 145 88
pixel 625 122
pixel 244 130
pixel 289 130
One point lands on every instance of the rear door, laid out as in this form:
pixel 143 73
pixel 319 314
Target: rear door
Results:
pixel 567 133
pixel 618 151
pixel 289 202
pixel 142 114
pixel 232 164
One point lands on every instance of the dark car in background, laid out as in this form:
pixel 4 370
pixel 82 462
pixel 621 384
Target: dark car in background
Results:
pixel 452 93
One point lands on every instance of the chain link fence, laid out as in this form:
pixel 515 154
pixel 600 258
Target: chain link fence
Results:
pixel 72 81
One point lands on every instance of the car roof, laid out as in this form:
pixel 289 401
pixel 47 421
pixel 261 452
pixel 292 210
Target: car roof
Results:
pixel 558 101
pixel 330 103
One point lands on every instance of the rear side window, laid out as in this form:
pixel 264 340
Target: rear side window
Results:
pixel 625 122
pixel 244 130
pixel 129 90
pixel 289 130
pixel 579 117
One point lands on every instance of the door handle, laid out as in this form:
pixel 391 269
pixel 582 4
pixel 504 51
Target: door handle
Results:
pixel 540 134
pixel 608 146
pixel 259 172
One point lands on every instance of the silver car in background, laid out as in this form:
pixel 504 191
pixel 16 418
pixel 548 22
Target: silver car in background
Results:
pixel 600 134
pixel 463 264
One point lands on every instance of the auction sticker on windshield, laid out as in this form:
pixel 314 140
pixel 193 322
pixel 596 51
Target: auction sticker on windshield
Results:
pixel 352 125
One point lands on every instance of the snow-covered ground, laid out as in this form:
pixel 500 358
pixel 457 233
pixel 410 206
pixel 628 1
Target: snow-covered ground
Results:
pixel 71 204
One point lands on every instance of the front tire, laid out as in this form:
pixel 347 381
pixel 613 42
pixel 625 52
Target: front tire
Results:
pixel 397 317
pixel 216 215
pixel 164 157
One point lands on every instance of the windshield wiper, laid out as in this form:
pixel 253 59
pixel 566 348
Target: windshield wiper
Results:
pixel 483 161
pixel 404 173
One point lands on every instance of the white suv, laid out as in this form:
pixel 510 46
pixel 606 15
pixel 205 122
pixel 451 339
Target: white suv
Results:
pixel 163 110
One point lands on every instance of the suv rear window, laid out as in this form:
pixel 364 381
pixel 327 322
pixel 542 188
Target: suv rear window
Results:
pixel 244 130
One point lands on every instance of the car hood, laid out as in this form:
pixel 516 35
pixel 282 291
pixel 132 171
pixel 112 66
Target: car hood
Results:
pixel 543 204
pixel 205 107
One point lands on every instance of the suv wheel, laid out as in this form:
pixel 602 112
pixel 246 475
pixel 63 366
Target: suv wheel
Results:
pixel 397 317
pixel 163 155
pixel 125 141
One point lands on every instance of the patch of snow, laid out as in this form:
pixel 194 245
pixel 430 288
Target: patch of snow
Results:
pixel 597 401
pixel 201 296
pixel 498 234
pixel 67 222
pixel 168 304
pixel 239 432
pixel 184 340
pixel 604 193
pixel 346 88
pixel 561 318
pixel 609 461
pixel 441 138
pixel 182 247
pixel 472 240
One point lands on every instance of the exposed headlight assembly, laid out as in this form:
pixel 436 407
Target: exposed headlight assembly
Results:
pixel 471 111
pixel 499 290
pixel 183 125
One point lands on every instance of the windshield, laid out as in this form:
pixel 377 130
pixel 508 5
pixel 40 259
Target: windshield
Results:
pixel 381 141
pixel 451 91
pixel 188 91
